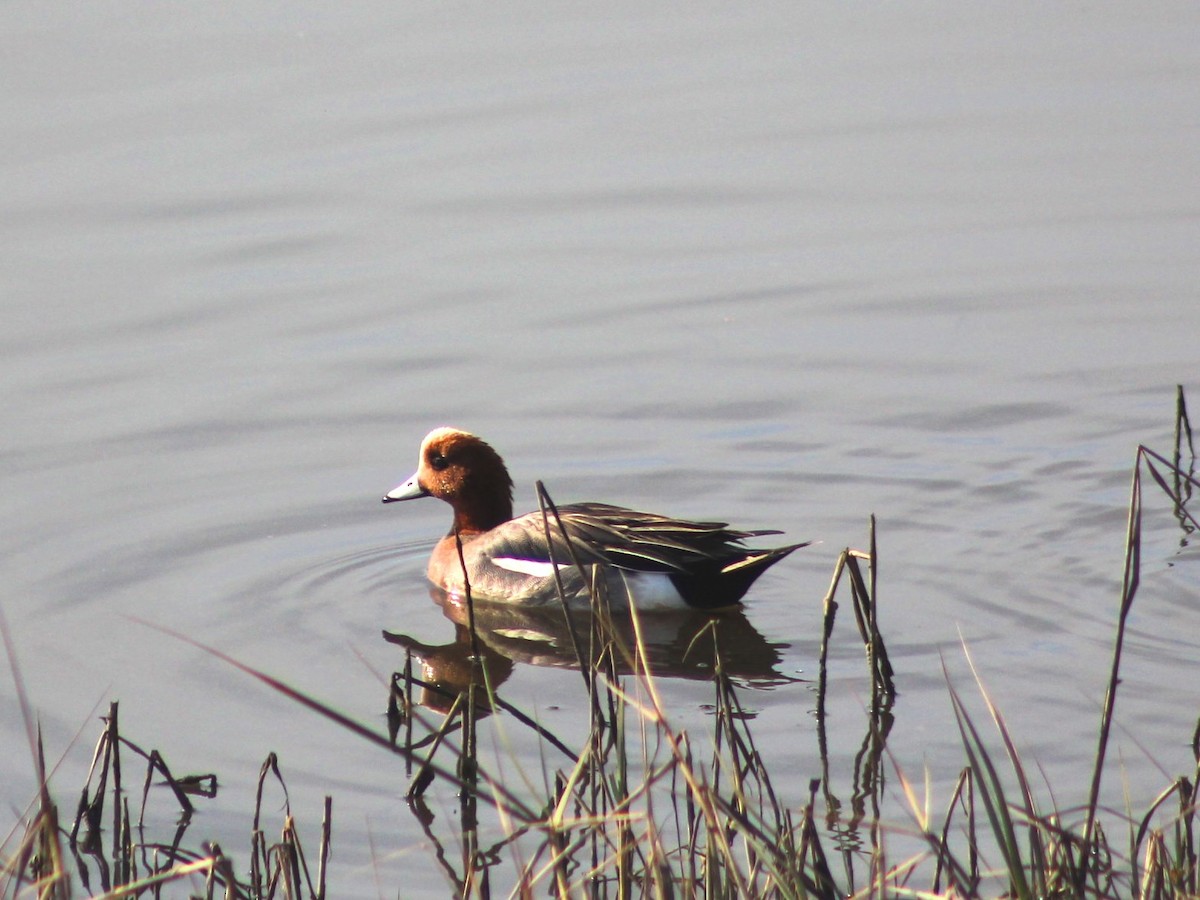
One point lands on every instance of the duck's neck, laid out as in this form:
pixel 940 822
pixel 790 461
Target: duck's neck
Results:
pixel 483 513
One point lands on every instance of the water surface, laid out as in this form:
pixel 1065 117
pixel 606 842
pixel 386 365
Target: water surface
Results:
pixel 788 268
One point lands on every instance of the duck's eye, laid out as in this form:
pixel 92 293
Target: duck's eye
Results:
pixel 437 461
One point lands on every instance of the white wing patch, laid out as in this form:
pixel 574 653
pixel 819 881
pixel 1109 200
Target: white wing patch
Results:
pixel 652 590
pixel 534 567
pixel 649 590
pixel 526 634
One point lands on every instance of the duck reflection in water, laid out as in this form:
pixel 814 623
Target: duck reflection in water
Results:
pixel 678 644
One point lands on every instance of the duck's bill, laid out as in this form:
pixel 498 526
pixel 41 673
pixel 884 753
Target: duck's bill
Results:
pixel 410 490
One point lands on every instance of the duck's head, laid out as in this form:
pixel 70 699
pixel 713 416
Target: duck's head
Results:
pixel 467 473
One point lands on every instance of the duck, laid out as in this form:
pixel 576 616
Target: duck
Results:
pixel 651 561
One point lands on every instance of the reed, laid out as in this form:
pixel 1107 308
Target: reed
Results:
pixel 108 853
pixel 637 806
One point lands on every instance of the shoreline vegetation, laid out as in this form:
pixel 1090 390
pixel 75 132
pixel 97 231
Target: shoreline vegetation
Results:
pixel 638 807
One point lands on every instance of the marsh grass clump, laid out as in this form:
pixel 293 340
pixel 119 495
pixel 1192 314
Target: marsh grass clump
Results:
pixel 636 806
pixel 110 854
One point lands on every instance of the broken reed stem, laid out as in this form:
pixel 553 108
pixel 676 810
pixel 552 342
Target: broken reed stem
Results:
pixel 155 763
pixel 546 505
pixel 462 562
pixel 468 767
pixel 829 607
pixel 114 743
pixel 426 773
pixel 1129 585
pixel 879 661
pixel 1183 431
pixel 866 616
pixel 1182 482
pixel 881 664
pixel 326 835
pixel 408 708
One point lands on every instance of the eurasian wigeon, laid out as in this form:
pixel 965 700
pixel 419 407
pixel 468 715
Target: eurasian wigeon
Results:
pixel 655 561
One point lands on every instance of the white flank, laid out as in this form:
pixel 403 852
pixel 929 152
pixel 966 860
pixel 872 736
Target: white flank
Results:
pixel 652 590
pixel 649 590
pixel 525 634
pixel 535 567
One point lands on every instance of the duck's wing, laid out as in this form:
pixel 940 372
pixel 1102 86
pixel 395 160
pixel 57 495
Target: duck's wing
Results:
pixel 625 538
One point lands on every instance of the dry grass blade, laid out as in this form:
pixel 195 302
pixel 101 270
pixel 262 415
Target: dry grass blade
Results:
pixel 206 866
pixel 964 879
pixel 991 791
pixel 516 807
pixel 1028 808
pixel 43 857
pixel 1129 587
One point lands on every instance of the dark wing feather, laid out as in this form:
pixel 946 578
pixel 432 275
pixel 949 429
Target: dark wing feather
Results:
pixel 625 538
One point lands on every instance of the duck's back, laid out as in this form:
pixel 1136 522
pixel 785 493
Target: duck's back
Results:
pixel 652 560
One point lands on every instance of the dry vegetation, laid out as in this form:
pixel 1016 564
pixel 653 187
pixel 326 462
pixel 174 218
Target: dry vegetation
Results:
pixel 640 808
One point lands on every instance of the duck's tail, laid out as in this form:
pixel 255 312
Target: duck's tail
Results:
pixel 724 582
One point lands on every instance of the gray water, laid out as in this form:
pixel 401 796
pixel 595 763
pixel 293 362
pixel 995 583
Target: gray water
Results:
pixel 787 267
